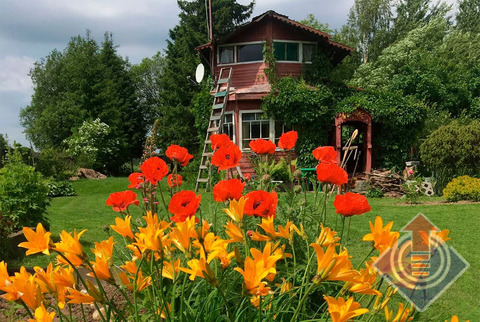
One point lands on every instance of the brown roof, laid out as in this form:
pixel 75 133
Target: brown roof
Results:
pixel 285 19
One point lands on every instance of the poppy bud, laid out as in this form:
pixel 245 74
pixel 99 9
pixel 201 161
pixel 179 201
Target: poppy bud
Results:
pixel 297 189
pixel 266 179
pixel 207 163
pixel 298 174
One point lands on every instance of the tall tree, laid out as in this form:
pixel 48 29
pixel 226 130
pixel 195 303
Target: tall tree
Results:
pixel 468 16
pixel 176 116
pixel 313 22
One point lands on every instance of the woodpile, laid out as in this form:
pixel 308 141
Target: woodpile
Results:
pixel 388 181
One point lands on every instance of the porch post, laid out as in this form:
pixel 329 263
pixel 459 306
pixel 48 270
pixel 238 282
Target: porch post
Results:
pixel 368 165
pixel 338 138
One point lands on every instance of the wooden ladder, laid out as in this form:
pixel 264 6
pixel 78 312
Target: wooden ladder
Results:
pixel 215 124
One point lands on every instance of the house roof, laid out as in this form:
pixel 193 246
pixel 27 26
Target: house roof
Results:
pixel 274 15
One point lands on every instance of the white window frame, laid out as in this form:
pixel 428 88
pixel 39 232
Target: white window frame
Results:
pixel 235 53
pixel 300 51
pixel 271 125
pixel 233 122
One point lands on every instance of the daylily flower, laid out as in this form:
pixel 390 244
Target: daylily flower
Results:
pixel 77 297
pixel 234 232
pixel 101 269
pixel 123 227
pixel 254 272
pixel 37 241
pixel 236 209
pixel 332 266
pixel 42 315
pixel 438 236
pixel 381 236
pixel 288 140
pixel 364 282
pixel 341 310
pixel 327 237
pixel 268 227
pixel 71 245
pixel 169 269
pixel 128 279
pixel 104 249
pixel 182 233
pixel 402 315
pixel 178 154
pixel 228 190
pixel 200 268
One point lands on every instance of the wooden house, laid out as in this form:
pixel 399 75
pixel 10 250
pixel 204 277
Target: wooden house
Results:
pixel 294 45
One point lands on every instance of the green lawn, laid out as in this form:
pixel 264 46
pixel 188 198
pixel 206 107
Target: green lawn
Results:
pixel 87 210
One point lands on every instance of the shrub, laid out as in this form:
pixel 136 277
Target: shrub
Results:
pixel 452 150
pixel 463 188
pixel 55 163
pixel 60 189
pixel 23 193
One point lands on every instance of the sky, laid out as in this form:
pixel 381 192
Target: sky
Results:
pixel 31 29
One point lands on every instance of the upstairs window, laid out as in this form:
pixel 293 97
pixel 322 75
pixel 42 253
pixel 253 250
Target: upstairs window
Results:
pixel 226 54
pixel 308 52
pixel 251 52
pixel 286 51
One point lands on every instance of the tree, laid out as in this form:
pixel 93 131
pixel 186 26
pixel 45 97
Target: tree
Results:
pixel 313 22
pixel 84 81
pixel 468 15
pixel 176 115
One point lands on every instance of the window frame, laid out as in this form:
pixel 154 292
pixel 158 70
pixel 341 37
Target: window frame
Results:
pixel 300 51
pixel 271 128
pixel 233 124
pixel 235 53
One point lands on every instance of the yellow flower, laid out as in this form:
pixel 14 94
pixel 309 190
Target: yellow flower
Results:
pixel 150 238
pixel 4 278
pixel 235 210
pixel 455 319
pixel 77 297
pixel 402 314
pixel 200 268
pixel 183 232
pixel 253 273
pixel 364 282
pixel 37 241
pixel 23 287
pixel 128 279
pixel 101 268
pixel 341 310
pixel 327 237
pixel 45 279
pixel 123 227
pixel 440 236
pixel 381 236
pixel 268 227
pixel 104 249
pixel 234 232
pixel 42 315
pixel 71 245
pixel 332 266
pixel 169 269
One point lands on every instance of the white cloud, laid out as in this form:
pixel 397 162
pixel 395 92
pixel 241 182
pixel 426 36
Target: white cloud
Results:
pixel 14 73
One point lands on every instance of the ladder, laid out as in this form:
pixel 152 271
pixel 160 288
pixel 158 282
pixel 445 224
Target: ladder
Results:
pixel 215 124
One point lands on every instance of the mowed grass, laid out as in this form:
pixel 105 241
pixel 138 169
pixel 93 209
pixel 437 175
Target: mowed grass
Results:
pixel 87 210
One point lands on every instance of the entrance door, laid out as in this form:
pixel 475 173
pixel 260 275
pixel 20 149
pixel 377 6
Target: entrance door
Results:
pixel 357 152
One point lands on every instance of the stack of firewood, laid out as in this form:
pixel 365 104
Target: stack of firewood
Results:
pixel 389 182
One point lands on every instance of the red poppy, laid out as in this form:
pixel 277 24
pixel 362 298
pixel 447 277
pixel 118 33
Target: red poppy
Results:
pixel 121 200
pixel 154 169
pixel 261 146
pixel 136 179
pixel 247 176
pixel 228 190
pixel 174 181
pixel 261 203
pixel 288 140
pixel 219 140
pixel 184 204
pixel 331 173
pixel 178 154
pixel 351 204
pixel 325 154
pixel 226 157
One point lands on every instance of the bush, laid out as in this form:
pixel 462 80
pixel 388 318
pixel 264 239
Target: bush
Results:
pixel 23 193
pixel 55 163
pixel 60 189
pixel 451 151
pixel 463 188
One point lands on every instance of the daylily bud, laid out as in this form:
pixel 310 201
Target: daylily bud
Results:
pixel 238 257
pixel 93 292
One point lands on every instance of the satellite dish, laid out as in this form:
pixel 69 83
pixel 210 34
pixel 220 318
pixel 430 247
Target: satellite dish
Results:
pixel 199 73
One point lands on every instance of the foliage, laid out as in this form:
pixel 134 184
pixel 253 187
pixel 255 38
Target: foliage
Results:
pixel 3 149
pixel 202 108
pixel 413 190
pixel 452 150
pixel 60 189
pixel 313 22
pixel 84 81
pixel 374 192
pixel 462 188
pixel 23 193
pixel 55 163
pixel 6 228
pixel 467 15
pixel 93 145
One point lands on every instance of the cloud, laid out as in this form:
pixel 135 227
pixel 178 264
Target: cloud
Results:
pixel 14 73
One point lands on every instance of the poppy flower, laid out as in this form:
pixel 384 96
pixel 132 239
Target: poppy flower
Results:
pixel 184 204
pixel 351 204
pixel 219 140
pixel 226 157
pixel 261 203
pixel 121 200
pixel 228 190
pixel 325 154
pixel 179 154
pixel 174 181
pixel 261 146
pixel 288 140
pixel 331 173
pixel 154 169
pixel 136 179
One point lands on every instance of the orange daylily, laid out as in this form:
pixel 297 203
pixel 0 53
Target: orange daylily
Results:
pixel 267 226
pixel 4 277
pixel 200 268
pixel 234 232
pixel 101 268
pixel 253 274
pixel 332 266
pixel 381 236
pixel 104 249
pixel 438 236
pixel 128 279
pixel 364 282
pixel 183 232
pixel 37 241
pixel 77 297
pixel 123 227
pixel 42 315
pixel 22 286
pixel 455 319
pixel 71 245
pixel 327 237
pixel 44 278
pixel 402 315
pixel 236 208
pixel 170 270
pixel 341 310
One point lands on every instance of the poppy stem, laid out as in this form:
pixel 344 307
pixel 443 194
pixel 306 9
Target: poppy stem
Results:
pixel 341 234
pixel 348 229
pixel 163 199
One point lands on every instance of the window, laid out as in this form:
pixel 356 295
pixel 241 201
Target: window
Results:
pixel 226 54
pixel 286 51
pixel 281 128
pixel 308 51
pixel 250 53
pixel 228 126
pixel 254 127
